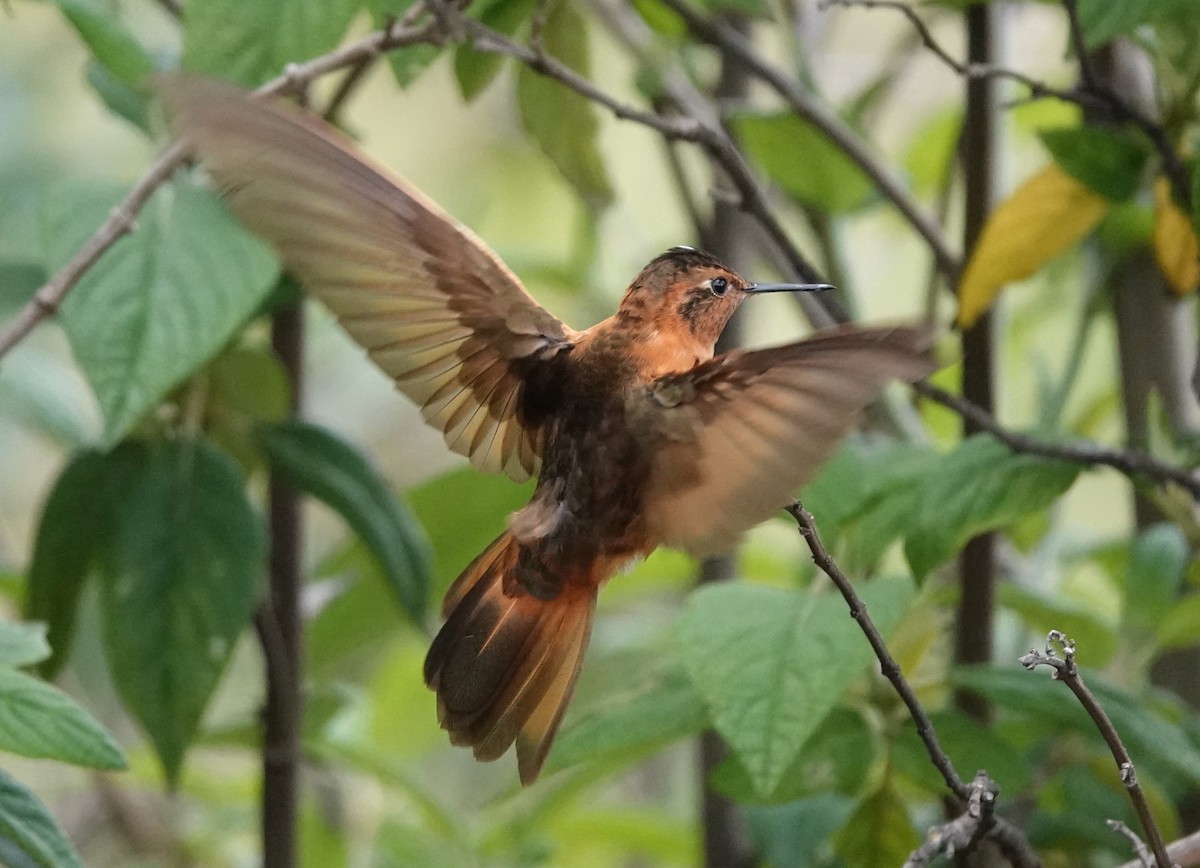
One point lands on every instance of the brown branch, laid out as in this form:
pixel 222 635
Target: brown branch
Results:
pixel 1185 853
pixel 1129 462
pixel 1010 839
pixel 1067 672
pixel 49 297
pixel 964 831
pixel 734 44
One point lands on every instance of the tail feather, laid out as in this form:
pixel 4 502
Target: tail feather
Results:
pixel 504 666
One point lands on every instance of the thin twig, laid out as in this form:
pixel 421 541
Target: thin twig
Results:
pixel 730 42
pixel 1013 843
pixel 121 220
pixel 1128 462
pixel 891 669
pixel 1139 846
pixel 1067 672
pixel 1092 95
pixel 964 831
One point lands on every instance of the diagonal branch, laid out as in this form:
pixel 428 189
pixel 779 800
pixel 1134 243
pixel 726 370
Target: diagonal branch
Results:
pixel 121 221
pixel 735 45
pixel 1128 462
pixel 1014 844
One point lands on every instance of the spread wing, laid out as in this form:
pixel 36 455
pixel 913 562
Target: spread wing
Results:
pixel 732 439
pixel 434 308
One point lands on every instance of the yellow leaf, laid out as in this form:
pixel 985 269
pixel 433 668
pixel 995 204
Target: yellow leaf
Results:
pixel 1175 246
pixel 1045 216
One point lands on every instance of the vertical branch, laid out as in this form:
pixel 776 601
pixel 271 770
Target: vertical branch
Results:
pixel 726 836
pixel 280 629
pixel 977 564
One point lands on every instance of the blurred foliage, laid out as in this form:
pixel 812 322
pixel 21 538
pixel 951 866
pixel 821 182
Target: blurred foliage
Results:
pixel 165 408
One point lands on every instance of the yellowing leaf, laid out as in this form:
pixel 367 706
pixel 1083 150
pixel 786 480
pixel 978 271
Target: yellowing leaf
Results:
pixel 1175 246
pixel 1044 217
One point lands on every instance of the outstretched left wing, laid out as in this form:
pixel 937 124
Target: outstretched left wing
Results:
pixel 732 439
pixel 431 304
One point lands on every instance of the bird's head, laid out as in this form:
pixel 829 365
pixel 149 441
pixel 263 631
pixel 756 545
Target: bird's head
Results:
pixel 689 291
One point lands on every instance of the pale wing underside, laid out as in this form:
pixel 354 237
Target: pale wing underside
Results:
pixel 734 439
pixel 434 308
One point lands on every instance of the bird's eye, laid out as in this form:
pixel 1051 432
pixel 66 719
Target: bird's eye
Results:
pixel 719 286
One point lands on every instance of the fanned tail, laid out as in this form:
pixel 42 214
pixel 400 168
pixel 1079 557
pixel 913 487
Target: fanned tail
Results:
pixel 504 664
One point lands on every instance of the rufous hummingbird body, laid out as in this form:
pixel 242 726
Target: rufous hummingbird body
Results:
pixel 638 436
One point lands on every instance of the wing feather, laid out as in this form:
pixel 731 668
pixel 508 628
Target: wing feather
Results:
pixel 733 439
pixel 428 301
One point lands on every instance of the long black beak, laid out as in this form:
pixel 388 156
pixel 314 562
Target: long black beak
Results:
pixel 789 287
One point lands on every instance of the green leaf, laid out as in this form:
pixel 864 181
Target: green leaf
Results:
pixel 28 836
pixel 18 282
pixel 409 62
pixel 1103 20
pixel 562 122
pixel 75 520
pixel 797 835
pixel 122 99
pixel 462 512
pixel 879 832
pixel 162 301
pixel 772 663
pixel 39 721
pixel 837 757
pixel 978 487
pixel 803 162
pixel 181 576
pixel 970 745
pixel 1043 612
pixel 249 43
pixel 1110 162
pixel 317 461
pixel 663 709
pixel 42 391
pixel 474 69
pixel 23 644
pixel 1159 745
pixel 110 42
pixel 1178 627
pixel 1153 579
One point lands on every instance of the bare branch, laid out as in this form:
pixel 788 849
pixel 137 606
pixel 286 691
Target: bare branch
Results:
pixel 1129 462
pixel 120 222
pixel 1139 846
pixel 965 830
pixel 729 41
pixel 1185 852
pixel 1092 95
pixel 1009 838
pixel 1067 672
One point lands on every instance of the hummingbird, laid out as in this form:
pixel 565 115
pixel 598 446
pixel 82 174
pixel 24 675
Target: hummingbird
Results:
pixel 638 436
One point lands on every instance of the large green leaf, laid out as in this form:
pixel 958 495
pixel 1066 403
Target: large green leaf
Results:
pixel 28 836
pixel 561 121
pixel 1108 161
pixel 1157 561
pixel 74 522
pixel 321 463
pixel 251 42
pixel 803 162
pixel 99 24
pixel 162 301
pixel 980 486
pixel 1103 20
pixel 772 663
pixel 40 721
pixel 662 709
pixel 181 576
